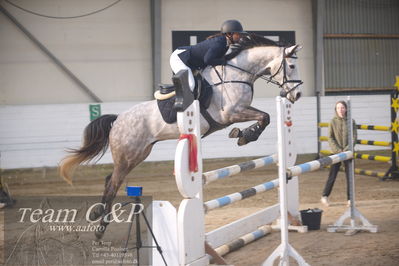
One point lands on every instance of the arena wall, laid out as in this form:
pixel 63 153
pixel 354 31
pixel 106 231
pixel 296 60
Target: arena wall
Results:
pixel 111 51
pixel 38 135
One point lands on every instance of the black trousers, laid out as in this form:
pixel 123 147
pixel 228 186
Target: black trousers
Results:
pixel 333 175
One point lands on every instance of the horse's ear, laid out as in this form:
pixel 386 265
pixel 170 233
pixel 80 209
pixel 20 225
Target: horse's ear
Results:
pixel 292 50
pixel 298 47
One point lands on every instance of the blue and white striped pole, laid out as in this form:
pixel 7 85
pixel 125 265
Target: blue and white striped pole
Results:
pixel 237 196
pixel 244 240
pixel 221 173
pixel 317 164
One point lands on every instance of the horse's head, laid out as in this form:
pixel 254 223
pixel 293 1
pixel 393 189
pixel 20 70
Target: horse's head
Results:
pixel 269 61
pixel 283 71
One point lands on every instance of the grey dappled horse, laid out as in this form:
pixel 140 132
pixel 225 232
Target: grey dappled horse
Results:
pixel 132 134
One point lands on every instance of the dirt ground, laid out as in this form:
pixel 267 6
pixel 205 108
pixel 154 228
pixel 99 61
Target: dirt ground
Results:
pixel 377 200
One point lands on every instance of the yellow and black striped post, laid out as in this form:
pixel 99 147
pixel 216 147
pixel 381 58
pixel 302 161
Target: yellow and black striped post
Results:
pixel 393 172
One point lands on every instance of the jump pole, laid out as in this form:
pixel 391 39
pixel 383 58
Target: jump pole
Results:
pixel 232 170
pixel 284 130
pixel 352 212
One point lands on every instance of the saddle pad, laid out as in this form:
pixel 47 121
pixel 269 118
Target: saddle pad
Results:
pixel 169 114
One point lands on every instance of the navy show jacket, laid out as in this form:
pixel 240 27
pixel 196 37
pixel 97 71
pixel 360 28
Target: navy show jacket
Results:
pixel 208 52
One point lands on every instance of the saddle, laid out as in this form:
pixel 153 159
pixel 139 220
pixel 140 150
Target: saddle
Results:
pixel 166 97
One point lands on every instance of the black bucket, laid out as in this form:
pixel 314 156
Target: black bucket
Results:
pixel 311 218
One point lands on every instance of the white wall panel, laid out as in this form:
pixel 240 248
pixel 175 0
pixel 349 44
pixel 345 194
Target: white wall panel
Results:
pixel 369 110
pixel 110 52
pixel 37 135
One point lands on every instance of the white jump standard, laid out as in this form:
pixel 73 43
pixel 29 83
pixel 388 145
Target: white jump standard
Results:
pixel 285 159
pixel 352 212
pixel 285 250
pixel 190 218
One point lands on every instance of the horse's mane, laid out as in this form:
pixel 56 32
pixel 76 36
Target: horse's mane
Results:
pixel 250 40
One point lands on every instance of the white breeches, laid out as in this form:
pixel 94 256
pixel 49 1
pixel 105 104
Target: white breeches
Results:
pixel 176 64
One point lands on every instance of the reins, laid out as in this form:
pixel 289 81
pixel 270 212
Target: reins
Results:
pixel 269 79
pixel 222 81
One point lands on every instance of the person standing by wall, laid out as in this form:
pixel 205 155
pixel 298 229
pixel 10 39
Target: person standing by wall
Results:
pixel 338 141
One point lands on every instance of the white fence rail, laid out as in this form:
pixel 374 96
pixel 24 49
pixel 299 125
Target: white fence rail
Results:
pixel 38 135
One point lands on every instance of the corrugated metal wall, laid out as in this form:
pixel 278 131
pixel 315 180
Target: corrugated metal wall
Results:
pixel 362 16
pixel 361 40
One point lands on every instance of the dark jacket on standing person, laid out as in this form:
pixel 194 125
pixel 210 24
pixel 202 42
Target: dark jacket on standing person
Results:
pixel 208 52
pixel 338 134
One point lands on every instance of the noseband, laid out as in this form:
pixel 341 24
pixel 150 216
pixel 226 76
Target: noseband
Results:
pixel 269 79
pixel 285 80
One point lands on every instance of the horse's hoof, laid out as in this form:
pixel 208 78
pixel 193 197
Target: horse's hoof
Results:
pixel 235 133
pixel 242 141
pixel 94 215
pixel 99 234
pixel 96 212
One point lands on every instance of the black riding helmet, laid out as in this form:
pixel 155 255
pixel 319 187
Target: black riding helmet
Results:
pixel 231 25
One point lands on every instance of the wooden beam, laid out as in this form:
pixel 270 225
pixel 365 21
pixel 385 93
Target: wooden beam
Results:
pixel 360 35
pixel 356 89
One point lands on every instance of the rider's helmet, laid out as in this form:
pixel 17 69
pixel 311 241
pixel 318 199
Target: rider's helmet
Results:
pixel 231 25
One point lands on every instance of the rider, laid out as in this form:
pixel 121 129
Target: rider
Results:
pixel 209 52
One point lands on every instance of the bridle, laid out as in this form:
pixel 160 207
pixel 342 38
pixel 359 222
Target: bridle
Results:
pixel 269 79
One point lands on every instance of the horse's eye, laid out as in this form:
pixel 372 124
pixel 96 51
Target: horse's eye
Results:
pixel 292 66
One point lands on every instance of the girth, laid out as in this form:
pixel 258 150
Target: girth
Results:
pixel 213 125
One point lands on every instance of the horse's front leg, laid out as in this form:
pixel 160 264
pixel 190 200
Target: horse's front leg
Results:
pixel 252 132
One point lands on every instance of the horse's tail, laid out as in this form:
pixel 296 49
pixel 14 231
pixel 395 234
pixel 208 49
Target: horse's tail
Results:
pixel 95 144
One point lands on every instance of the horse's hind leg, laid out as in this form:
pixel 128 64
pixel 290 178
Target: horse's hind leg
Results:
pixel 110 191
pixel 99 209
pixel 123 165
